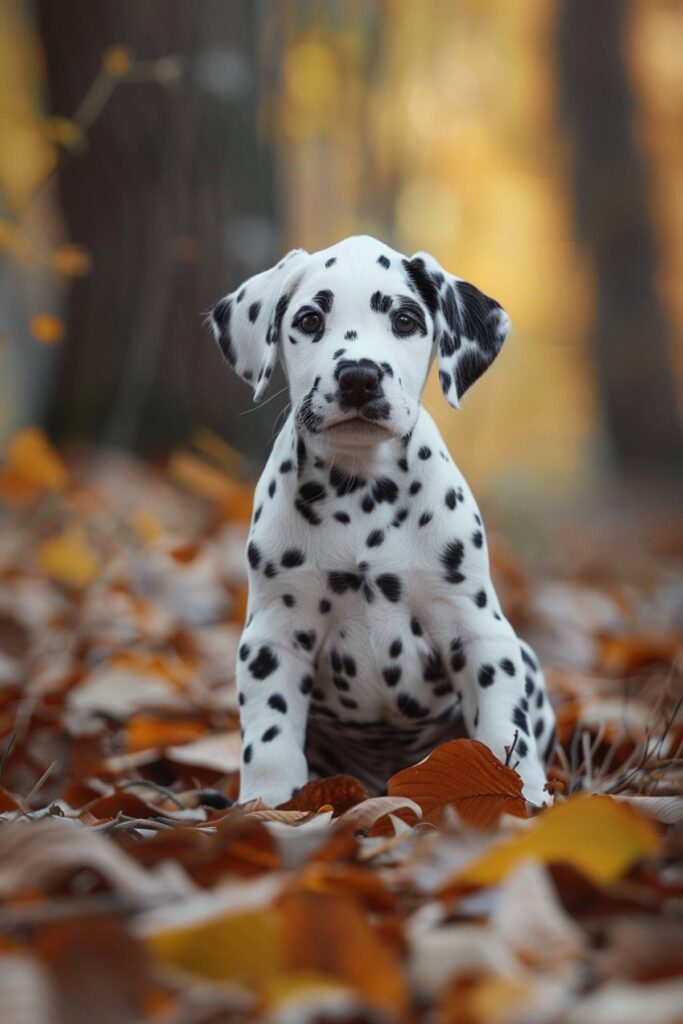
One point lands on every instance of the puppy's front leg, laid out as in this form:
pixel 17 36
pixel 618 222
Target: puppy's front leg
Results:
pixel 274 686
pixel 484 662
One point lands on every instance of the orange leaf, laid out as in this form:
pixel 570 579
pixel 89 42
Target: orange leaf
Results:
pixel 31 457
pixel 117 61
pixel 47 328
pixel 145 731
pixel 329 935
pixel 340 791
pixel 465 775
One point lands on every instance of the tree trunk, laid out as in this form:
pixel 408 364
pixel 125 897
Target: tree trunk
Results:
pixel 174 199
pixel 630 330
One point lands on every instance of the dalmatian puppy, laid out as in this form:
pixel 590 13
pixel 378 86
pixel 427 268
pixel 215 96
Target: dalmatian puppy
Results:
pixel 373 630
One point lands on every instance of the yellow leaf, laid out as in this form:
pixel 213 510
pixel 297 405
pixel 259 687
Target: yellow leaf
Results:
pixel 117 61
pixel 47 328
pixel 595 834
pixel 71 260
pixel 31 457
pixel 69 558
pixel 146 525
pixel 242 947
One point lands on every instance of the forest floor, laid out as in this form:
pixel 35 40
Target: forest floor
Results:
pixel 134 891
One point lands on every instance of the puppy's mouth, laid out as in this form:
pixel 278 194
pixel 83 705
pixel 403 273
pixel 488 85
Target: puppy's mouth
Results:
pixel 357 428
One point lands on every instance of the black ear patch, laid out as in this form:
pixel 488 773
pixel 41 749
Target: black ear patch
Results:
pixel 424 282
pixel 221 315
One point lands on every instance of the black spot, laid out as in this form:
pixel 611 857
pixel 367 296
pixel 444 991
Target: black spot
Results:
pixel 395 648
pixel 375 538
pixel 384 261
pixel 385 490
pixel 520 720
pixel 415 487
pixel 348 702
pixel 292 558
pixel 538 729
pixel 338 353
pixel 240 295
pixel 409 707
pixel 257 513
pixel 402 464
pixel 349 666
pixel 340 683
pixel 540 697
pixel 508 666
pixel 335 659
pixel 278 703
pixel 477 538
pixel 367 504
pixel 254 311
pixel 305 639
pixel 480 599
pixel 289 600
pixel 309 493
pixel 380 303
pixel 264 663
pixel 458 659
pixel 451 498
pixel 300 454
pixel 324 606
pixel 286 466
pixel 368 593
pixel 270 733
pixel 415 627
pixel 425 518
pixel 269 570
pixel 391 674
pixel 242 699
pixel 246 753
pixel 528 686
pixel 521 748
pixel 340 582
pixel 344 483
pixel 271 488
pixel 433 670
pixel 306 684
pixel 350 335
pixel 486 675
pixel 342 517
pixel 324 299
pixel 529 660
pixel 424 453
pixel 445 379
pixel 245 651
pixel 390 585
pixel 254 555
pixel 451 559
pixel 331 262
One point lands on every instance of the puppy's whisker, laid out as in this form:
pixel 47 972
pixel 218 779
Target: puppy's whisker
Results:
pixel 262 404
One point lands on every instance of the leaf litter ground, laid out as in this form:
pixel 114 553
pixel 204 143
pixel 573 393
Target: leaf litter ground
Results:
pixel 134 889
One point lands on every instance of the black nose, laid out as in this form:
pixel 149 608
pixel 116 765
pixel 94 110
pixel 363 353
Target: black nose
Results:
pixel 358 384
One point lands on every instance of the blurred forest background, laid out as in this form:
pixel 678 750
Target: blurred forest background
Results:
pixel 154 153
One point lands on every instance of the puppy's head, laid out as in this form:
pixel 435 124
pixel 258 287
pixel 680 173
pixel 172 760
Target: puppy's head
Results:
pixel 356 327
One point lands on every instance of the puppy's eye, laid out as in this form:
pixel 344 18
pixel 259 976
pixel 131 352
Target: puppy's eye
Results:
pixel 404 323
pixel 309 323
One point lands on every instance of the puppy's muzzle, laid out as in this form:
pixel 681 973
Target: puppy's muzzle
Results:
pixel 359 384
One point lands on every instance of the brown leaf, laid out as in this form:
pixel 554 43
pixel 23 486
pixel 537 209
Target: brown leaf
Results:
pixel 465 775
pixel 329 935
pixel 339 791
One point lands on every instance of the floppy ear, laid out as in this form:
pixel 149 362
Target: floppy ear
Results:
pixel 246 323
pixel 470 327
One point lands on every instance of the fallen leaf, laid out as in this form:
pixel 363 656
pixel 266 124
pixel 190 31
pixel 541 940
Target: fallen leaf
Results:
pixel 69 558
pixel 30 455
pixel 465 775
pixel 145 731
pixel 595 834
pixel 339 791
